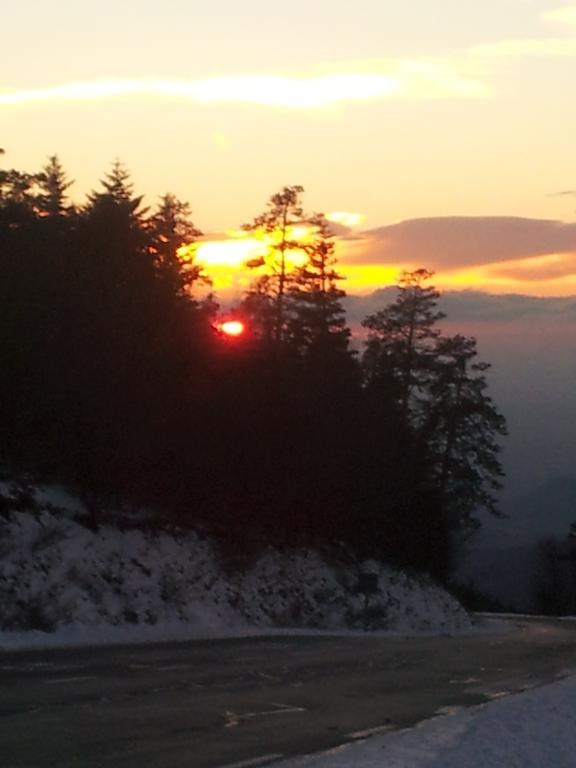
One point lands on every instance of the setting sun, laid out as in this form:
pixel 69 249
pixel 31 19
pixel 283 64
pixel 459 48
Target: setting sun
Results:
pixel 231 328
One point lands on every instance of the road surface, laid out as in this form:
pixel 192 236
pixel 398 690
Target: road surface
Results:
pixel 208 704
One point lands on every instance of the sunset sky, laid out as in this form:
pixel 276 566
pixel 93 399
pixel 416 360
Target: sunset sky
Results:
pixel 448 128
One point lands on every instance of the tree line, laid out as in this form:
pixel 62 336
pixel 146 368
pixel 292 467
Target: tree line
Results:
pixel 115 381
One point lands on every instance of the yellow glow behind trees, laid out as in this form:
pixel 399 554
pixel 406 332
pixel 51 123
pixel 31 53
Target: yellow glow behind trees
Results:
pixel 225 258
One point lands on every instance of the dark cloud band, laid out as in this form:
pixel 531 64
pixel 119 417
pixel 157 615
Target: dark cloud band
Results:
pixel 449 243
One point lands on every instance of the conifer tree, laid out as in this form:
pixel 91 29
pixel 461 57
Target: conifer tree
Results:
pixel 171 230
pixel 267 297
pixel 462 430
pixel 401 342
pixel 117 185
pixel 18 195
pixel 446 421
pixel 53 184
pixel 317 322
pixel 114 236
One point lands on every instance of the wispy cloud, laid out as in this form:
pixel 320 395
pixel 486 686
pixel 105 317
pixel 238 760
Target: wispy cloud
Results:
pixel 535 46
pixel 269 90
pixel 521 48
pixel 458 75
pixel 566 14
pixel 563 193
pixel 404 79
pixel 553 267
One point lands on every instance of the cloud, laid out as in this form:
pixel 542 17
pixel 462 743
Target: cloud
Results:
pixel 566 14
pixel 498 254
pixel 268 90
pixel 410 79
pixel 340 230
pixel 460 74
pixel 539 269
pixel 346 219
pixel 563 193
pixel 521 48
pixel 448 243
pixel 527 47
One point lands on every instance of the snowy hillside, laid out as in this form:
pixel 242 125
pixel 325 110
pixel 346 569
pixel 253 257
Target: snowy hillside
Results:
pixel 57 574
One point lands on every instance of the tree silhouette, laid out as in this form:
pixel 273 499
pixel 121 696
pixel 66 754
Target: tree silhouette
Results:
pixel 401 341
pixel 114 382
pixel 462 429
pixel 172 232
pixel 53 184
pixel 317 322
pixel 18 195
pixel 433 395
pixel 279 224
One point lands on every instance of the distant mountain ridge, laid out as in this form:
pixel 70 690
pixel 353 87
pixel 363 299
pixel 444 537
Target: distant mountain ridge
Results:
pixel 471 305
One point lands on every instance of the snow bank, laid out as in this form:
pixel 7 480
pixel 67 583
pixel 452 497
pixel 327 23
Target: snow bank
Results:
pixel 56 575
pixel 536 729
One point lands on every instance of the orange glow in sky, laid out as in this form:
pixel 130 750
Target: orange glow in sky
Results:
pixel 402 112
pixel 224 258
pixel 224 261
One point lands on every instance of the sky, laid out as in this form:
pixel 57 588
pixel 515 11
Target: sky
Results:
pixel 447 128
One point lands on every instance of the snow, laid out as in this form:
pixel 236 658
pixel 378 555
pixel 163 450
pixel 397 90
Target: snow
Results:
pixel 536 729
pixel 62 583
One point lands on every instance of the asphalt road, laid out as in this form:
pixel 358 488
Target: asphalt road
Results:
pixel 211 704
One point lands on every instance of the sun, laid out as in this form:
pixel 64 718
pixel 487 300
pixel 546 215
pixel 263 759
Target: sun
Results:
pixel 231 328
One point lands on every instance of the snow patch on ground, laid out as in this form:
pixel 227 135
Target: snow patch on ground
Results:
pixel 61 579
pixel 536 729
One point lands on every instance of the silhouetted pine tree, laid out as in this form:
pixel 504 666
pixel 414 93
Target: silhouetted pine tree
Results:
pixel 433 397
pixel 53 184
pixel 462 429
pixel 172 235
pixel 266 301
pixel 401 343
pixel 317 319
pixel 34 252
